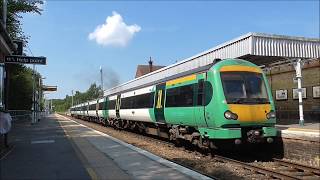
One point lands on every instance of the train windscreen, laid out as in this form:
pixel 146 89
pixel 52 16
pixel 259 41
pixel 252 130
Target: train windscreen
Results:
pixel 244 88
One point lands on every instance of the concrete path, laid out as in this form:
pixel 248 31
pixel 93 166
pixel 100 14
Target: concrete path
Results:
pixel 41 151
pixel 135 162
pixel 59 148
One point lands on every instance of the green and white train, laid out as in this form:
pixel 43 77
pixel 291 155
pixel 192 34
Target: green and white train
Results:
pixel 227 101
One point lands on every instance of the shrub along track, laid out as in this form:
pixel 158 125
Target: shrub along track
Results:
pixel 212 165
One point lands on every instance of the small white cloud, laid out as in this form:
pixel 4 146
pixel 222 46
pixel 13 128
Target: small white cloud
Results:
pixel 114 31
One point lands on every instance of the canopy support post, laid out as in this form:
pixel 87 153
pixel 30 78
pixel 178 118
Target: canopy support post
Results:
pixel 297 65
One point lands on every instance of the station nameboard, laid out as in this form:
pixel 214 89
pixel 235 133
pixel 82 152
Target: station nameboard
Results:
pixel 49 88
pixel 26 60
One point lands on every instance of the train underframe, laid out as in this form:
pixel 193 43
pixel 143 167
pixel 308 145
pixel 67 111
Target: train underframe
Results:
pixel 187 135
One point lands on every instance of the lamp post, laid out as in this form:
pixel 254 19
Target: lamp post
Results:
pixel 71 98
pixel 101 76
pixel 40 97
pixel 33 97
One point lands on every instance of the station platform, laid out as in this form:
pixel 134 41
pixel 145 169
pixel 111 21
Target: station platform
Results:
pixel 59 148
pixel 308 132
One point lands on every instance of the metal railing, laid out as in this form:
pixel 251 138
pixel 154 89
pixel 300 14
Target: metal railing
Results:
pixel 20 114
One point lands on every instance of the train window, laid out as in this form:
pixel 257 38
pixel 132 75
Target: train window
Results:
pixel 92 107
pixel 138 102
pixel 112 104
pixel 144 100
pixel 126 103
pixel 180 96
pixel 101 105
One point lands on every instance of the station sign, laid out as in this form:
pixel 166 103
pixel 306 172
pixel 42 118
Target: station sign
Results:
pixel 49 88
pixel 25 60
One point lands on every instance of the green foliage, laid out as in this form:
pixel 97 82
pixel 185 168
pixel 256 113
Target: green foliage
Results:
pixel 20 77
pixel 62 105
pixel 20 86
pixel 14 10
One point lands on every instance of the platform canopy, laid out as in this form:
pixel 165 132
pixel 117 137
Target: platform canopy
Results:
pixel 259 48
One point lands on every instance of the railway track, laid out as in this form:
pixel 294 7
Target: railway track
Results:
pixel 281 169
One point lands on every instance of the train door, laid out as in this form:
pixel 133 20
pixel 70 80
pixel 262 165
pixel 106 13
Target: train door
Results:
pixel 159 103
pixel 118 105
pixel 105 109
pixel 97 109
pixel 200 94
pixel 87 109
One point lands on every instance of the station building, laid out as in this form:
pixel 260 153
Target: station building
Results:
pixel 282 80
pixel 7 47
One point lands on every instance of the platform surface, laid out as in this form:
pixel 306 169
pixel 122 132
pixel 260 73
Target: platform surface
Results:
pixel 59 148
pixel 40 151
pixel 309 131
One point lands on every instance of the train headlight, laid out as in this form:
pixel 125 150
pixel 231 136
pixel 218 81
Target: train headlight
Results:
pixel 230 115
pixel 271 114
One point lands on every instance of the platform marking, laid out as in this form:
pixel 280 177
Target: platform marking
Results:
pixel 154 157
pixel 43 141
pixel 91 173
pixel 78 152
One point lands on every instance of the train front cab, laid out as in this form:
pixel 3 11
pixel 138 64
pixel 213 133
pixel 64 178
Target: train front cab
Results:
pixel 242 109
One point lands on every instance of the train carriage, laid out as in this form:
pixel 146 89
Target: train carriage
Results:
pixel 228 100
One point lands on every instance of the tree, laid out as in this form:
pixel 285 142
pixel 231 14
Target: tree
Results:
pixel 14 18
pixel 93 92
pixel 20 77
pixel 21 86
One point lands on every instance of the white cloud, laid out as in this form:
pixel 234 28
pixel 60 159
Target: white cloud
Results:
pixel 114 31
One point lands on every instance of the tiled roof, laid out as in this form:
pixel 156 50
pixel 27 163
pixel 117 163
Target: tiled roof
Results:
pixel 145 69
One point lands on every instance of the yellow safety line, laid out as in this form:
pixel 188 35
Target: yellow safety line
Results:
pixel 92 174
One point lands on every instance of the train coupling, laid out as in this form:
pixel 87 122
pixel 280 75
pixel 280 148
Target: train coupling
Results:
pixel 254 136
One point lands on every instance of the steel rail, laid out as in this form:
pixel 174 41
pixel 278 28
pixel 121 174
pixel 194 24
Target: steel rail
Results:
pixel 314 170
pixel 258 169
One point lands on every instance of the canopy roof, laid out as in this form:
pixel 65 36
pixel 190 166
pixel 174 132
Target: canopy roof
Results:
pixel 258 48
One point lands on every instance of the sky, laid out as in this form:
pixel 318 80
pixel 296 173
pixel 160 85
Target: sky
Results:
pixel 79 37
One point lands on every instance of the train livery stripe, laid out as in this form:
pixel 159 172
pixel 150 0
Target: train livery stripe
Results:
pixel 181 80
pixel 240 68
pixel 250 113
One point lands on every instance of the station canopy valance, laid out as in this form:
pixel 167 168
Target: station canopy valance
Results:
pixel 259 48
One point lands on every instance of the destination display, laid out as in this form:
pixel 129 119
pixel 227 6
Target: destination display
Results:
pixel 26 60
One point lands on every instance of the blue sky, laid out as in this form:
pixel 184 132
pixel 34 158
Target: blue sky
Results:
pixel 167 31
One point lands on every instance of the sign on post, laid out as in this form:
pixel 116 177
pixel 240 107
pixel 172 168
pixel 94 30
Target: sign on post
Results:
pixel 25 60
pixel 49 88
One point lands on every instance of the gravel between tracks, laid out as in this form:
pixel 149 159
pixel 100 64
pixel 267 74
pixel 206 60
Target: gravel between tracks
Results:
pixel 182 156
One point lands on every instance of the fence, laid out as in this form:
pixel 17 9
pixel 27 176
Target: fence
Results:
pixel 20 114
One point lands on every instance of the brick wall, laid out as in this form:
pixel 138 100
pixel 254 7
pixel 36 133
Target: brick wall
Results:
pixel 303 151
